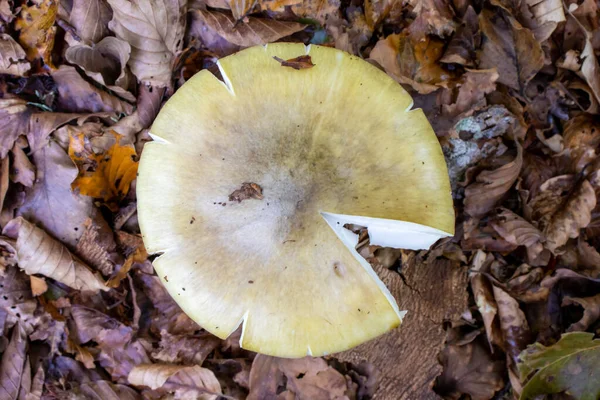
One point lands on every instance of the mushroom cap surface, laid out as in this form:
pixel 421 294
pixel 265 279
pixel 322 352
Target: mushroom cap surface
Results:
pixel 330 145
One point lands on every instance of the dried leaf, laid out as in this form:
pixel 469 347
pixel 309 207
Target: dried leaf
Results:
pixel 36 29
pixel 38 285
pixel 240 8
pixel 518 231
pixel 307 377
pixel 563 208
pixel 319 10
pixel 547 10
pixel 591 311
pixel 38 253
pixel 491 186
pixel 191 382
pixel 167 314
pixel 154 29
pixel 37 385
pixel 434 17
pixel 185 349
pixel 90 18
pixel 473 87
pixel 104 390
pixel 581 139
pixel 376 11
pixel 97 247
pixel 302 62
pixel 112 174
pixel 50 203
pixel 77 95
pixel 509 47
pixel 22 170
pixel 16 302
pixel 256 31
pixel 105 63
pixel 414 64
pixel 461 49
pixel 13 364
pixel 567 366
pixel 12 57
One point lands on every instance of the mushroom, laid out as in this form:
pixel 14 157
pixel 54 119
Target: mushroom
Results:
pixel 248 184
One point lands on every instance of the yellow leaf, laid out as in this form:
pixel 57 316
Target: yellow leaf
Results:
pixel 106 176
pixel 36 29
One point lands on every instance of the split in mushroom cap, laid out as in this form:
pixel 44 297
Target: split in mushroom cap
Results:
pixel 330 145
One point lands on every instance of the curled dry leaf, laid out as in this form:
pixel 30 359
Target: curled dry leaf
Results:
pixel 376 11
pixel 413 63
pixel 563 207
pixel 12 57
pixel 302 62
pixel 256 31
pixel 16 302
pixel 78 95
pixel 104 390
pixel 461 49
pixel 516 230
pixel 484 296
pixel 38 253
pixel 90 19
pixel 469 369
pixel 473 86
pixel 22 170
pixel 154 29
pixel 581 139
pixel 112 172
pixel 565 367
pixel 509 47
pixel 490 186
pixel 97 246
pixel 319 10
pixel 50 202
pixel 240 8
pixel 185 349
pixel 36 29
pixel 307 377
pixel 591 311
pixel 38 285
pixel 105 63
pixel 434 17
pixel 12 366
pixel 188 382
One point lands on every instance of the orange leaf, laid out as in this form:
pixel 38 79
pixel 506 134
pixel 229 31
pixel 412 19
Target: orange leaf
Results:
pixel 106 176
pixel 36 29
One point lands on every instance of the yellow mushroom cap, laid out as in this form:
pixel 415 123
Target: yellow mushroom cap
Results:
pixel 330 145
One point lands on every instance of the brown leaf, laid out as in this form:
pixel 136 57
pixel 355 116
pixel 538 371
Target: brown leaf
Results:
pixel 591 311
pixel 413 63
pixel 105 63
pixel 36 29
pixel 185 349
pixel 16 302
pixel 155 30
pixel 376 11
pixel 473 86
pixel 4 169
pixel 581 139
pixel 209 36
pixel 461 48
pixel 38 253
pixel 188 382
pixel 22 170
pixel 38 285
pixel 12 57
pixel 513 324
pixel 256 31
pixel 50 203
pixel 104 390
pixel 90 18
pixel 147 107
pixel 240 8
pixel 77 95
pixel 302 62
pixel 167 314
pixel 107 176
pixel 434 17
pixel 307 377
pixel 469 369
pixel 491 186
pixel 563 208
pixel 97 247
pixel 518 231
pixel 484 296
pixel 13 364
pixel 37 384
pixel 319 10
pixel 509 47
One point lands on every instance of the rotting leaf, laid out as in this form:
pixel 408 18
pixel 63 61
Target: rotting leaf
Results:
pixel 185 349
pixel 90 18
pixel 301 62
pixel 256 31
pixel 568 366
pixel 111 172
pixel 38 253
